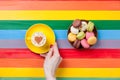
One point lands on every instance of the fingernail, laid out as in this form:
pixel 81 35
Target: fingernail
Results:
pixel 51 46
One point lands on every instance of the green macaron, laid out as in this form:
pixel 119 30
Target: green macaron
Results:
pixel 80 35
pixel 90 26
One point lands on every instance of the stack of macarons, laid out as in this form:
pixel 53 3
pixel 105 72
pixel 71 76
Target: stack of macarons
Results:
pixel 82 34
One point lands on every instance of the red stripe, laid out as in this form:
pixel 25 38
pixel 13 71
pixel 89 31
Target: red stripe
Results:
pixel 65 53
pixel 61 5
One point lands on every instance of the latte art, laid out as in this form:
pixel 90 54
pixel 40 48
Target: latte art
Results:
pixel 38 39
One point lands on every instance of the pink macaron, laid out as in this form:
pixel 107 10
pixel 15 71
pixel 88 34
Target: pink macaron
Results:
pixel 84 43
pixel 89 34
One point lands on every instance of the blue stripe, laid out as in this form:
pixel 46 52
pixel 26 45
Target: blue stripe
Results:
pixel 60 34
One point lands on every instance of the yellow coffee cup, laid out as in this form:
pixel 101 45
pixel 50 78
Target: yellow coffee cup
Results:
pixel 39 37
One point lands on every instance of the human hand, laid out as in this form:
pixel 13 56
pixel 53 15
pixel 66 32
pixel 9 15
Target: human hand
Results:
pixel 52 61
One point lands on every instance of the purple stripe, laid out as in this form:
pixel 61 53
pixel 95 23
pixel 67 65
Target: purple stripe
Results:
pixel 61 43
pixel 12 44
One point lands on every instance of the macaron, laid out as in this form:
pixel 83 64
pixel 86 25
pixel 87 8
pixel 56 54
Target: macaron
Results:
pixel 76 44
pixel 90 26
pixel 71 37
pixel 89 34
pixel 74 30
pixel 76 23
pixel 80 35
pixel 84 43
pixel 92 40
pixel 83 26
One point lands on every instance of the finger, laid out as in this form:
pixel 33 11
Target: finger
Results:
pixel 43 55
pixel 49 54
pixel 56 51
pixel 57 63
pixel 60 60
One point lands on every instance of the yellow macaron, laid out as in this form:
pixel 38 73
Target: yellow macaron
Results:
pixel 72 37
pixel 92 40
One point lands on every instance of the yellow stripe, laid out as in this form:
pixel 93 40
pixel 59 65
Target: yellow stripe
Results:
pixel 58 15
pixel 62 72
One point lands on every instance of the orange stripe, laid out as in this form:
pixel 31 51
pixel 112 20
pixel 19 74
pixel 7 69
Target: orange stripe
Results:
pixel 61 5
pixel 66 63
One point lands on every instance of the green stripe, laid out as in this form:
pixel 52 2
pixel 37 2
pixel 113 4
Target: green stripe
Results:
pixel 60 79
pixel 56 24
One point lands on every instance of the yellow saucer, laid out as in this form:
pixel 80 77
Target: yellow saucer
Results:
pixel 47 31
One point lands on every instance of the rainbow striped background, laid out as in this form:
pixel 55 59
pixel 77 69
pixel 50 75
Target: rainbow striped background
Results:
pixel 101 62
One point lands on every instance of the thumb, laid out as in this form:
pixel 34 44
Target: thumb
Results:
pixel 56 51
pixel 49 54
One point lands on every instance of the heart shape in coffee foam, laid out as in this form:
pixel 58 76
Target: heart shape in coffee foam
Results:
pixel 38 39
